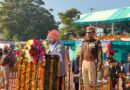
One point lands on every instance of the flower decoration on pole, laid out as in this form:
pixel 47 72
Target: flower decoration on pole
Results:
pixel 19 51
pixel 31 60
pixel 34 51
pixel 46 46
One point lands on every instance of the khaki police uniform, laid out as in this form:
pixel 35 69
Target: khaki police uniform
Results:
pixel 91 53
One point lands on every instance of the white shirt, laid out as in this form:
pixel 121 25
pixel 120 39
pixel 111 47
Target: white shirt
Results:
pixel 52 47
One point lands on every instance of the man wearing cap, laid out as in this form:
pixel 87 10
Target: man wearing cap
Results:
pixel 90 53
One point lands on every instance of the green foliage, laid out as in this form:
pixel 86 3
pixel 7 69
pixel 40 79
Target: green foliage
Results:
pixel 6 33
pixel 123 26
pixel 66 19
pixel 15 37
pixel 63 33
pixel 69 16
pixel 25 19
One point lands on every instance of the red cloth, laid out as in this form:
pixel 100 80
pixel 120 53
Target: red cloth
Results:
pixel 110 51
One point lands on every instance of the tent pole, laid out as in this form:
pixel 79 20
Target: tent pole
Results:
pixel 112 28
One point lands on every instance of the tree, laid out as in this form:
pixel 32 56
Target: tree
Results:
pixel 66 19
pixel 25 19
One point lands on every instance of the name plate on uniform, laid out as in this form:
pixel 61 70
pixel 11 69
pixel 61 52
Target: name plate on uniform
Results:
pixel 92 45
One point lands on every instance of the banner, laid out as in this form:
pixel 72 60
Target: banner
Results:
pixel 105 45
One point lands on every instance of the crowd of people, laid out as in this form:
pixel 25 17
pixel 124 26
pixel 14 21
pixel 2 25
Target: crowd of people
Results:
pixel 87 64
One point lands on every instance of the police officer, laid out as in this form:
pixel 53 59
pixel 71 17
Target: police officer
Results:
pixel 91 53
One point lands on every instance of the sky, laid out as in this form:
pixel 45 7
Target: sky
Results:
pixel 84 5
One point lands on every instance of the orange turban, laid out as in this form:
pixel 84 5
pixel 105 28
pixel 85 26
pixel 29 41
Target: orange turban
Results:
pixel 53 34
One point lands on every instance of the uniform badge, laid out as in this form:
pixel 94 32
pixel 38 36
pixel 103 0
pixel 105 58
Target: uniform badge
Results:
pixel 92 45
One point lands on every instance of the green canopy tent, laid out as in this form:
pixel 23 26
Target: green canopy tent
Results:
pixel 106 16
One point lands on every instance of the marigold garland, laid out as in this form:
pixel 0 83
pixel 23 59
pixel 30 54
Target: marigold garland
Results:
pixel 33 69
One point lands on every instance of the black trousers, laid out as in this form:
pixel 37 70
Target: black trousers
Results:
pixel 61 82
pixel 76 86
